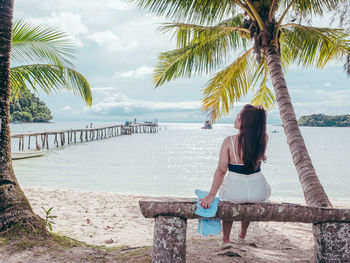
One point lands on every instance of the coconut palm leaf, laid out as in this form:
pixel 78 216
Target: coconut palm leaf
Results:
pixel 307 7
pixel 202 11
pixel 312 46
pixel 49 78
pixel 205 52
pixel 286 54
pixel 186 34
pixel 229 85
pixel 263 96
pixel 206 47
pixel 51 53
pixel 39 43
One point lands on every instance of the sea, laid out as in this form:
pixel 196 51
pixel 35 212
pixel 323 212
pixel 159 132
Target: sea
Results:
pixel 178 159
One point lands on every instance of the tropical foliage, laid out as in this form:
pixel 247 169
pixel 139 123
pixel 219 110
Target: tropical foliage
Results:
pixel 209 34
pixel 43 58
pixel 322 120
pixel 29 108
pixel 342 16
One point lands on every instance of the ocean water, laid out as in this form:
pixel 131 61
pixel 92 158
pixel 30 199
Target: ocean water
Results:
pixel 177 160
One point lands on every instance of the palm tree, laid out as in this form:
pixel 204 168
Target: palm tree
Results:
pixel 209 32
pixel 46 54
pixel 43 56
pixel 14 206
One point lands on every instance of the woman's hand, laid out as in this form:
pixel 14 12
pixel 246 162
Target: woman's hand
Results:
pixel 206 201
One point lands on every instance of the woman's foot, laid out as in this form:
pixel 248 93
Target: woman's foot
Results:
pixel 226 245
pixel 240 236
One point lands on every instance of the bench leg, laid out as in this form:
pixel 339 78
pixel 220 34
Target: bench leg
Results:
pixel 169 241
pixel 332 242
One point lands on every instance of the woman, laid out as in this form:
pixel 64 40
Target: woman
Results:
pixel 241 155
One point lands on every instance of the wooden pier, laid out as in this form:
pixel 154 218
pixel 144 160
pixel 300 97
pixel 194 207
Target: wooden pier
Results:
pixel 71 136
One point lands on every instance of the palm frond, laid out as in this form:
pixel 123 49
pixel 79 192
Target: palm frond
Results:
pixel 286 54
pixel 309 7
pixel 263 96
pixel 229 86
pixel 312 46
pixel 39 43
pixel 201 11
pixel 203 54
pixel 48 78
pixel 186 34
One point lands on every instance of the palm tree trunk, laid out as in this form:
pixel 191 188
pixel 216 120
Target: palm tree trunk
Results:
pixel 332 240
pixel 313 190
pixel 14 206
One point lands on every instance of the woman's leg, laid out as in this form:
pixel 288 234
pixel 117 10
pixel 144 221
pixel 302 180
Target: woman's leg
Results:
pixel 244 227
pixel 226 229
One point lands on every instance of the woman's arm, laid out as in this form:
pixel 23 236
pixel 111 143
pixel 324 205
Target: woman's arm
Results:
pixel 218 175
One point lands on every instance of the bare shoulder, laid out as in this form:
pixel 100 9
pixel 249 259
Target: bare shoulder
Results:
pixel 228 140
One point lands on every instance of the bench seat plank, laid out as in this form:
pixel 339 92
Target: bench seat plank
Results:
pixel 278 212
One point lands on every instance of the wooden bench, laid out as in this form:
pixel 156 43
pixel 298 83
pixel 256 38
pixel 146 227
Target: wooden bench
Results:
pixel 171 214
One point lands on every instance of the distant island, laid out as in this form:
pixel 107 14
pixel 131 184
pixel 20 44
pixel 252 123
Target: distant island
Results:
pixel 29 108
pixel 322 120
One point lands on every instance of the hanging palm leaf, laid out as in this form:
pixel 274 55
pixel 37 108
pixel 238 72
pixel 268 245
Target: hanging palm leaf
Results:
pixel 47 54
pixel 229 85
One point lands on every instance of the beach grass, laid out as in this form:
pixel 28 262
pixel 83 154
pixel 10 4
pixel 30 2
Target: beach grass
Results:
pixel 31 246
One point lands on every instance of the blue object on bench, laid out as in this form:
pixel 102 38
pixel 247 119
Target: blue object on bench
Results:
pixel 207 227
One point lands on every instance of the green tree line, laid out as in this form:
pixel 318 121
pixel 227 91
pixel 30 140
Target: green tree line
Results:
pixel 322 120
pixel 29 108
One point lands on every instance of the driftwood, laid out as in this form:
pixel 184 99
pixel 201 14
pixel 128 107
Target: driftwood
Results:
pixel 169 241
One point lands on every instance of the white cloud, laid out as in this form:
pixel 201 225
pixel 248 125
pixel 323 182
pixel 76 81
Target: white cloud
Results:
pixel 91 5
pixel 324 101
pixel 67 22
pixel 110 4
pixel 328 84
pixel 139 73
pixel 103 89
pixel 67 108
pixel 121 103
pixel 107 39
pixel 144 29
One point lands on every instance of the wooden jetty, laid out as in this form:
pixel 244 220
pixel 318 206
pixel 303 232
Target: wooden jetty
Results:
pixel 71 136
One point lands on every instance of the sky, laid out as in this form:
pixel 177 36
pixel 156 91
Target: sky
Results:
pixel 118 45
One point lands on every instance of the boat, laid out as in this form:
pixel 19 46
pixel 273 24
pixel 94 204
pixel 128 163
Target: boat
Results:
pixel 207 125
pixel 27 154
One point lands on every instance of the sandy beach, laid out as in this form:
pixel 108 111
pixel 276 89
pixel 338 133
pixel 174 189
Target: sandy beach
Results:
pixel 115 220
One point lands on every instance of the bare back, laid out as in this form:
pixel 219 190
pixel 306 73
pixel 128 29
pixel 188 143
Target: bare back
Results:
pixel 233 150
pixel 234 157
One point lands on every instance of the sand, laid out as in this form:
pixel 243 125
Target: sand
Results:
pixel 115 220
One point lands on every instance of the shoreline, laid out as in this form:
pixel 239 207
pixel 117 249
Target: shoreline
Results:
pixel 337 202
pixel 115 220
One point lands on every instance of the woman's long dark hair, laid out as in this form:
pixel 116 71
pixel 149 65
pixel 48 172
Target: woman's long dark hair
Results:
pixel 252 138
